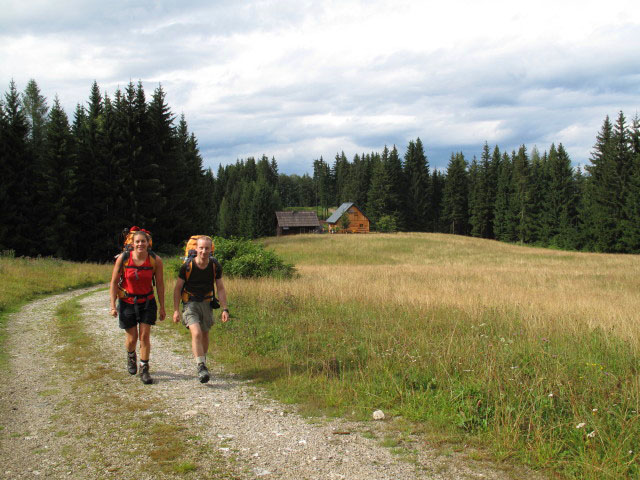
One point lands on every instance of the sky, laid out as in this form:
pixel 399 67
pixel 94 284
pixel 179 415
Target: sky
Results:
pixel 302 79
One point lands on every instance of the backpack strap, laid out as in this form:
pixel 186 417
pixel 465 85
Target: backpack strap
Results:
pixel 186 295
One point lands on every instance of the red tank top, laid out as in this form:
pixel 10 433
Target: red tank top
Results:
pixel 137 280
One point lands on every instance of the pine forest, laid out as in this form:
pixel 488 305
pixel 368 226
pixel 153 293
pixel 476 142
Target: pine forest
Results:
pixel 69 186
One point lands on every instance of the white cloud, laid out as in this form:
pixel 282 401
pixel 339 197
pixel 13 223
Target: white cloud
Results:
pixel 301 79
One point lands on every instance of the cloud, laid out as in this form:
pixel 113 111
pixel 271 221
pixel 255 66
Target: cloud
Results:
pixel 302 79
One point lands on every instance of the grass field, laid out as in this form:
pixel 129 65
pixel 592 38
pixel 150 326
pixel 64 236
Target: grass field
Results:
pixel 26 278
pixel 530 352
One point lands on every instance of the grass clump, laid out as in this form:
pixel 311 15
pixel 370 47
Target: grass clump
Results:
pixel 523 350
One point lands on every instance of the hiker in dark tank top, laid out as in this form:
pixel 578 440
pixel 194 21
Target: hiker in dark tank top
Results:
pixel 195 287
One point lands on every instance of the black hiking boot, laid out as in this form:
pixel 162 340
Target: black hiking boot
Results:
pixel 144 374
pixel 132 364
pixel 203 373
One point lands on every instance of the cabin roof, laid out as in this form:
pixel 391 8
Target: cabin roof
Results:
pixel 297 219
pixel 335 216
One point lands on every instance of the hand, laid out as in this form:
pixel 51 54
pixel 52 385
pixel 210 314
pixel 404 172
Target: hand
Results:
pixel 163 314
pixel 114 312
pixel 225 315
pixel 176 316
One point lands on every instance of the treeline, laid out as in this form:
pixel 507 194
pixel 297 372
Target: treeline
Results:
pixel 522 197
pixel 69 188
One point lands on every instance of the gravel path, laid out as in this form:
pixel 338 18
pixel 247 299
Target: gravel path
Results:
pixel 56 424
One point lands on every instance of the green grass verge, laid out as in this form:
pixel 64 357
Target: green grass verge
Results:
pixel 24 279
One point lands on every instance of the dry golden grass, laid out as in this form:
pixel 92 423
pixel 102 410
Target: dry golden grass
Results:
pixel 549 290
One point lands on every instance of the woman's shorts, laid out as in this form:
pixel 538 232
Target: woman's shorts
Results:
pixel 198 312
pixel 147 312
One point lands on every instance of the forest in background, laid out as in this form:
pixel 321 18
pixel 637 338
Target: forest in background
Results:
pixel 68 188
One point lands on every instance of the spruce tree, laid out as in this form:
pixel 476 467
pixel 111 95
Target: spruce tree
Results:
pixel 417 197
pixel 379 190
pixel 456 196
pixel 504 223
pixel 16 211
pixel 602 194
pixel 631 224
pixel 59 228
pixel 521 196
pixel 397 186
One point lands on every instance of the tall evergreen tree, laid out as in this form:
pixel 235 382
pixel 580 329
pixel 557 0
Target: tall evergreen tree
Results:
pixel 504 222
pixel 378 202
pixel 16 210
pixel 630 240
pixel 58 216
pixel 602 193
pixel 521 195
pixel 417 199
pixel 456 196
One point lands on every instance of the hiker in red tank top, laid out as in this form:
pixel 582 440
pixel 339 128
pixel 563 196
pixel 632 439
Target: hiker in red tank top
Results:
pixel 138 281
pixel 137 308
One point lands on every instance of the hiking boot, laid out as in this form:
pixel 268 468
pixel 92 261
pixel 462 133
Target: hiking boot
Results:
pixel 144 374
pixel 132 365
pixel 203 373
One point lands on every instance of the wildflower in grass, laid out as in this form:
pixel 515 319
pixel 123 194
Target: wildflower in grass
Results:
pixel 591 434
pixel 580 425
pixel 550 395
pixel 595 410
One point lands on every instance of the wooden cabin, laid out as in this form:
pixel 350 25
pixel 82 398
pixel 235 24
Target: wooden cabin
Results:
pixel 292 223
pixel 358 221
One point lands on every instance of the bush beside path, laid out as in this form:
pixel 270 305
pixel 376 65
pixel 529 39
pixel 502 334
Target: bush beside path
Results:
pixel 70 410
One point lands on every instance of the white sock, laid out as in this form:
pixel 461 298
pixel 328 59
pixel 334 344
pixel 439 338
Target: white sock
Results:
pixel 202 359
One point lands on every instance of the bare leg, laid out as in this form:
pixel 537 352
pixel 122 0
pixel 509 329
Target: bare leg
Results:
pixel 145 341
pixel 131 338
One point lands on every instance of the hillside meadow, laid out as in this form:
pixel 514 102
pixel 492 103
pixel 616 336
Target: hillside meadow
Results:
pixel 530 352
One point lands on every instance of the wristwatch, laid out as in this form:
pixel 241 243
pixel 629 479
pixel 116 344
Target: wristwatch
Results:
pixel 225 310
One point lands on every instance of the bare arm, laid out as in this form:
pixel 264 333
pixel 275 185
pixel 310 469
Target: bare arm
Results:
pixel 113 286
pixel 177 293
pixel 160 287
pixel 222 296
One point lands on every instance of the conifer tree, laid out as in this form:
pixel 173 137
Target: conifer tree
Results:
pixel 456 196
pixel 521 195
pixel 58 216
pixel 397 186
pixel 416 171
pixel 379 190
pixel 35 110
pixel 437 184
pixel 16 211
pixel 630 240
pixel 538 187
pixel 602 193
pixel 504 223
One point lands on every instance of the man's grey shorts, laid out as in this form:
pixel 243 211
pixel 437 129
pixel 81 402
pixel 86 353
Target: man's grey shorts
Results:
pixel 198 312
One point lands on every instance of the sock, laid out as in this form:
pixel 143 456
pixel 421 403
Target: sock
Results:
pixel 144 362
pixel 202 359
pixel 132 354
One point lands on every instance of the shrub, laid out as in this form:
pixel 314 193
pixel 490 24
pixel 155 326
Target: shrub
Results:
pixel 387 224
pixel 240 257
